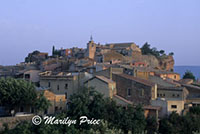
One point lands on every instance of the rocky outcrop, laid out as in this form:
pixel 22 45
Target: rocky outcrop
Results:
pixel 162 63
pixel 150 60
pixel 166 63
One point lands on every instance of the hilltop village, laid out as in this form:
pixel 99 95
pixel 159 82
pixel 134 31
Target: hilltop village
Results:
pixel 123 72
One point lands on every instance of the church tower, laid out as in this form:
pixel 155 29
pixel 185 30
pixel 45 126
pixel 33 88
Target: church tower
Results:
pixel 91 49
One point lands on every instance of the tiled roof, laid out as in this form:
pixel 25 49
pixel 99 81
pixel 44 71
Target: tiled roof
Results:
pixel 149 107
pixel 50 73
pixel 104 79
pixel 172 88
pixel 112 55
pixel 139 80
pixel 185 81
pixel 191 86
pixel 123 99
pixel 161 82
pixel 165 72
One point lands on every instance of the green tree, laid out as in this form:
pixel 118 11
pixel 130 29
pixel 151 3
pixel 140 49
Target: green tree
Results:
pixel 152 125
pixel 92 104
pixel 146 49
pixel 188 75
pixel 41 104
pixel 171 54
pixel 53 50
pixel 16 92
pixel 162 52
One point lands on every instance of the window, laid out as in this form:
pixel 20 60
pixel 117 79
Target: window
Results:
pixel 66 86
pixel 56 109
pixel 142 92
pixel 157 95
pixel 58 87
pixel 173 95
pixel 32 110
pixel 27 76
pixel 49 84
pixel 129 92
pixel 174 76
pixel 177 95
pixel 173 106
pixel 21 109
pixel 66 95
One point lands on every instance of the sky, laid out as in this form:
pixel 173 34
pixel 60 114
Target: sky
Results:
pixel 28 25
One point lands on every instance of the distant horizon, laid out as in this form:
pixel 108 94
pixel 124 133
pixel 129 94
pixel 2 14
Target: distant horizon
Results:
pixel 28 25
pixel 50 52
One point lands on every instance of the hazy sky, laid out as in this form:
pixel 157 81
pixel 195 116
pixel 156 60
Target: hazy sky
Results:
pixel 27 25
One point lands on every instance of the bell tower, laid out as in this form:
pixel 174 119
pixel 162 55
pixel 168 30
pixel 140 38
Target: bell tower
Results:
pixel 91 48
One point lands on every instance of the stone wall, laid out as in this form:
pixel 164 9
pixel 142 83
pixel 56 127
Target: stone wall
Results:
pixel 140 93
pixel 13 121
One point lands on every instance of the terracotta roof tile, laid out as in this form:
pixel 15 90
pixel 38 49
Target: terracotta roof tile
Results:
pixel 123 99
pixel 139 80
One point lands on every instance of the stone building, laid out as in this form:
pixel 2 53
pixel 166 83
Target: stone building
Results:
pixel 140 72
pixel 63 83
pixel 168 74
pixel 136 90
pixel 170 96
pixel 113 57
pixel 171 99
pixel 91 49
pixel 168 106
pixel 126 49
pixel 59 83
pixel 32 76
pixel 103 85
pixel 58 102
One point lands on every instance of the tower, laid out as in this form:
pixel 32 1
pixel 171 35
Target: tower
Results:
pixel 91 49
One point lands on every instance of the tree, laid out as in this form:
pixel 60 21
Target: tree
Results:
pixel 16 92
pixel 152 125
pixel 188 75
pixel 162 52
pixel 92 104
pixel 53 50
pixel 171 124
pixel 171 54
pixel 146 49
pixel 41 104
pixel 194 110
